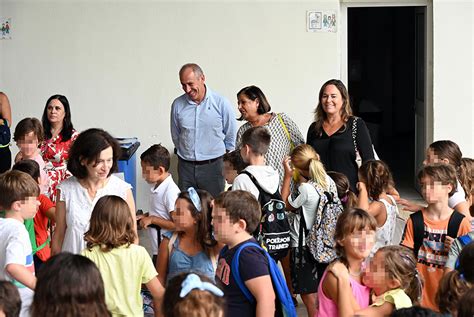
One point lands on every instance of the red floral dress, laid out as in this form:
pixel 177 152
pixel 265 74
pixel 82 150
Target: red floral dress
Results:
pixel 55 154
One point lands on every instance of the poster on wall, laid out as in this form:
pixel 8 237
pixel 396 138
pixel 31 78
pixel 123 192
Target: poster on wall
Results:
pixel 321 21
pixel 6 28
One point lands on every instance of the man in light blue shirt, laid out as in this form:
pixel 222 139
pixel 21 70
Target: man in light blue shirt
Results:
pixel 203 128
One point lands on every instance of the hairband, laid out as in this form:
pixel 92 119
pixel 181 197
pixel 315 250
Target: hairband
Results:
pixel 344 198
pixel 192 281
pixel 193 195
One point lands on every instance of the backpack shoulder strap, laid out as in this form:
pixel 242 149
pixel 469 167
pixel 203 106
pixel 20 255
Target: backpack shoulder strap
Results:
pixel 172 241
pixel 236 270
pixel 454 223
pixel 418 230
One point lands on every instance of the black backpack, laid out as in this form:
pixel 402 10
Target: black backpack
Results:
pixel 273 232
pixel 419 228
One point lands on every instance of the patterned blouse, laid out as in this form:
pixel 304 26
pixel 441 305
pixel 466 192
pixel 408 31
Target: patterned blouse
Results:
pixel 280 145
pixel 55 154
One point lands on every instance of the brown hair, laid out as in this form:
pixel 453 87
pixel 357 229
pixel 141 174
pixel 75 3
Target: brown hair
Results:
pixel 450 289
pixel 255 93
pixel 30 167
pixel 354 219
pixel 346 111
pixel 466 309
pixel 439 172
pixel 446 149
pixel 240 204
pixel 305 158
pixel 156 156
pixel 15 186
pixel 377 177
pixel 26 126
pixel 466 176
pixel 69 285
pixel 347 197
pixel 88 146
pixel 197 303
pixel 10 302
pixel 258 139
pixel 111 224
pixel 203 219
pixel 235 159
pixel 400 264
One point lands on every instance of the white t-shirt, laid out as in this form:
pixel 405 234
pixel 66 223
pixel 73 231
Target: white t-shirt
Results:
pixel 266 176
pixel 15 248
pixel 459 196
pixel 79 208
pixel 162 202
pixel 307 199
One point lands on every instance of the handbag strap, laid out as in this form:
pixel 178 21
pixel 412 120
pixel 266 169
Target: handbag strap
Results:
pixel 354 132
pixel 300 234
pixel 292 145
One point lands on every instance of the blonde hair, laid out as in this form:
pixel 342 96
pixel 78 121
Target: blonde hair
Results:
pixel 305 158
pixel 111 224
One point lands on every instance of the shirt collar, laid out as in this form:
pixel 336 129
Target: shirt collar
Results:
pixel 206 96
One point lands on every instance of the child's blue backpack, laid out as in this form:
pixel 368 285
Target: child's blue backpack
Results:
pixel 279 285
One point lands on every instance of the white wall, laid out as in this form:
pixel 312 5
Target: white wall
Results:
pixel 117 62
pixel 453 72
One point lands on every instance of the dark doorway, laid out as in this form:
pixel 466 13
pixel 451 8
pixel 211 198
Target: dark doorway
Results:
pixel 383 77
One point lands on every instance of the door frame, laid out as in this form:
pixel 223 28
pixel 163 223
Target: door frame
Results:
pixel 428 4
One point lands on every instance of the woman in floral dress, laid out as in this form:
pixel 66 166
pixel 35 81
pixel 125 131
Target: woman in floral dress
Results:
pixel 59 136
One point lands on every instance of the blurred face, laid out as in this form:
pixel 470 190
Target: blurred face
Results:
pixel 359 243
pixel 182 216
pixel 434 191
pixel 55 111
pixel 193 85
pixel 375 275
pixel 432 158
pixel 29 207
pixel 150 174
pixel 100 169
pixel 247 107
pixel 331 100
pixel 28 145
pixel 229 172
pixel 224 228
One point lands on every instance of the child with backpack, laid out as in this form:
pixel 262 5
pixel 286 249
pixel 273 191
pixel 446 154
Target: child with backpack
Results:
pixel 262 182
pixel 38 226
pixel 249 277
pixel 124 266
pixel 355 237
pixel 375 182
pixel 426 230
pixel 393 278
pixel 447 152
pixel 313 184
pixel 191 247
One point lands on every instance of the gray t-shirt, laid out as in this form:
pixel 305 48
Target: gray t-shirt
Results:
pixel 455 250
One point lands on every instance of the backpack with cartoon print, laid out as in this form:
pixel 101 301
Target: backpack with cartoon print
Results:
pixel 273 232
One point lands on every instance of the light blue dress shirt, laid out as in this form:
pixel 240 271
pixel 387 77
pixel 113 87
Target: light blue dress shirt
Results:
pixel 203 131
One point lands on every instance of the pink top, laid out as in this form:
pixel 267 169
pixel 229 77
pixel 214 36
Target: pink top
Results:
pixel 328 308
pixel 43 175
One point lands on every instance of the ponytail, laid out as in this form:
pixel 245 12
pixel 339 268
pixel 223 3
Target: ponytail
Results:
pixel 318 173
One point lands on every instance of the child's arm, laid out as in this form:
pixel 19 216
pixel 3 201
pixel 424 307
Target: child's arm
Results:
pixel 463 207
pixel 157 291
pixel 131 204
pixel 285 187
pixel 51 213
pixel 375 208
pixel 346 303
pixel 21 274
pixel 162 261
pixel 385 309
pixel 262 289
pixel 59 232
pixel 409 205
pixel 155 220
pixel 392 191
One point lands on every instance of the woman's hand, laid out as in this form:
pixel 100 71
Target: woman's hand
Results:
pixel 339 270
pixel 409 205
pixel 287 167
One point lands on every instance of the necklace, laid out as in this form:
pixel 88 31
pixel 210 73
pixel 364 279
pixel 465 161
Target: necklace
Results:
pixel 355 274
